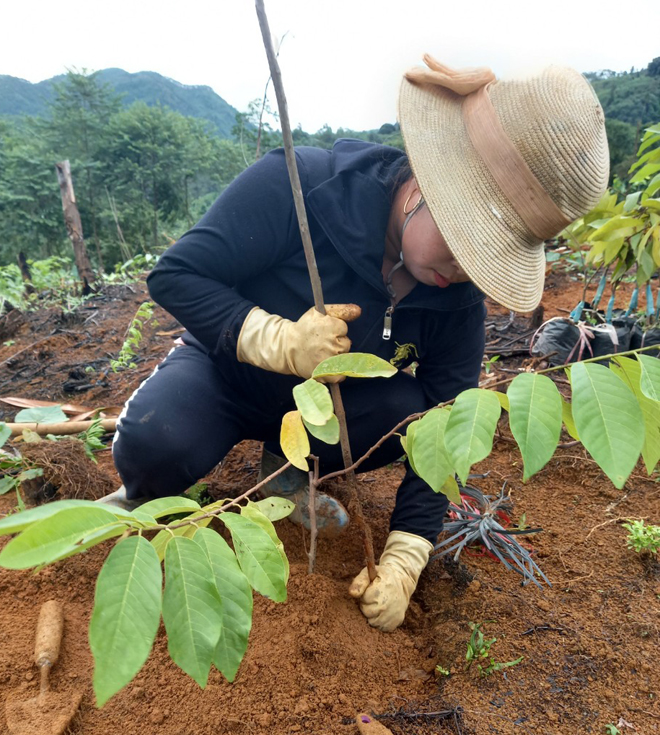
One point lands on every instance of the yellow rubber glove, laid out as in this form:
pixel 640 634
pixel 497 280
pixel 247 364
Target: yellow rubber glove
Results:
pixel 273 343
pixel 385 600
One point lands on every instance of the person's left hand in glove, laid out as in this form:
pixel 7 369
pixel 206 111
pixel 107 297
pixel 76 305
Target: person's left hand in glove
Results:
pixel 385 600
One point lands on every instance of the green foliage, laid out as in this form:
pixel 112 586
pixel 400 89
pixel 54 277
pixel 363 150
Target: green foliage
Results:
pixel 354 365
pixel 207 601
pixel 91 439
pixel 642 538
pixel 133 337
pixel 623 231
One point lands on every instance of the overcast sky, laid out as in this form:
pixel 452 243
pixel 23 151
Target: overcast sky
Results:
pixel 341 60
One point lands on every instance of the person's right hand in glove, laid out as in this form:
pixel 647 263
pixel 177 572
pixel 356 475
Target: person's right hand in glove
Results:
pixel 273 343
pixel 385 600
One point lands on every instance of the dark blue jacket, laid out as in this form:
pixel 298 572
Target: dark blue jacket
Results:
pixel 247 251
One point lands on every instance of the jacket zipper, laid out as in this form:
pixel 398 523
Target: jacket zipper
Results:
pixel 387 322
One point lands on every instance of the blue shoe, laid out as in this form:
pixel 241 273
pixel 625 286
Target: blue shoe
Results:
pixel 331 516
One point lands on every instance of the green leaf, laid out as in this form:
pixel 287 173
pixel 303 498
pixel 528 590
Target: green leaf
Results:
pixel 328 433
pixel 409 443
pixel 567 418
pixel 160 507
pixel 630 371
pixel 430 456
pixel 51 537
pixel 470 429
pixel 192 608
pixel 535 419
pixel 236 595
pixel 650 381
pixel 354 365
pixel 608 419
pixel 294 440
pixel 30 474
pixel 5 433
pixel 19 521
pixel 503 399
pixel 274 508
pixel 126 615
pixel 41 415
pixel 258 555
pixel 254 514
pixel 7 483
pixel 161 540
pixel 451 490
pixel 314 402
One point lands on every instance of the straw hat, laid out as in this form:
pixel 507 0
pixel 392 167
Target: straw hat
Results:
pixel 503 166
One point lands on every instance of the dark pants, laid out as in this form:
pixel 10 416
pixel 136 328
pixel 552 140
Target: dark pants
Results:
pixel 184 419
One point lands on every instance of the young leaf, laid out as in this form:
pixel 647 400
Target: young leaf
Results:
pixel 49 538
pixel 236 595
pixel 126 615
pixel 313 401
pixel 328 433
pixel 354 365
pixel 162 538
pixel 630 371
pixel 192 608
pixel 160 507
pixel 650 377
pixel 451 490
pixel 294 441
pixel 470 429
pixel 567 418
pixel 430 456
pixel 608 419
pixel 535 417
pixel 503 399
pixel 258 555
pixel 254 514
pixel 274 508
pixel 41 415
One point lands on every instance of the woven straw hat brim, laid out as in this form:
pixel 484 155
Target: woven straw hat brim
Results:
pixel 481 227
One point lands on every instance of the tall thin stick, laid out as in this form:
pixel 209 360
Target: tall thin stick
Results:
pixel 317 291
pixel 313 528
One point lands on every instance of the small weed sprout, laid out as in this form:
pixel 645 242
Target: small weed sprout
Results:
pixel 134 337
pixel 441 671
pixel 611 729
pixel 488 364
pixel 643 539
pixel 478 648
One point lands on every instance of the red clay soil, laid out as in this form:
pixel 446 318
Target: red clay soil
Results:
pixel 589 642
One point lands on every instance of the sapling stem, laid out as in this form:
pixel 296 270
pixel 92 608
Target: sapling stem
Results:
pixel 313 529
pixel 314 277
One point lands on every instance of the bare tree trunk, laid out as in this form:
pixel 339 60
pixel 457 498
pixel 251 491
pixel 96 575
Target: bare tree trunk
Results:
pixel 25 272
pixel 74 226
pixel 126 253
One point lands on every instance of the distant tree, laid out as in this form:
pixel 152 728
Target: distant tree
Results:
pixel 386 129
pixel 79 115
pixel 653 69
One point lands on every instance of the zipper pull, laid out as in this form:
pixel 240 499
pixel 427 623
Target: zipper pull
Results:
pixel 387 323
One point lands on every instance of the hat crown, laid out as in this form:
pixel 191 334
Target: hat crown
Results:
pixel 557 124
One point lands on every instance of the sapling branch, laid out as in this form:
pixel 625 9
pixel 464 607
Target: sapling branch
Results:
pixel 314 277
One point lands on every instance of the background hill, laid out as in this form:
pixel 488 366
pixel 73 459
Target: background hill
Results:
pixel 19 97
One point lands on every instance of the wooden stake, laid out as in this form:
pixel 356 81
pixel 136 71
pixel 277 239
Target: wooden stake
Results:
pixel 74 226
pixel 317 290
